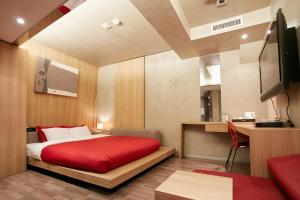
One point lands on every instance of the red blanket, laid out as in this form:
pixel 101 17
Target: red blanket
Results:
pixel 101 154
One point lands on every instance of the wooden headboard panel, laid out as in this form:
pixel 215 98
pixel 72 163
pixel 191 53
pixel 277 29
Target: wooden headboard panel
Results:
pixel 32 136
pixel 68 110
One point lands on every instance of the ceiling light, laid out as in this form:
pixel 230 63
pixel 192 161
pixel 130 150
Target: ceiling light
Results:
pixel 20 20
pixel 269 32
pixel 106 26
pixel 244 36
pixel 116 21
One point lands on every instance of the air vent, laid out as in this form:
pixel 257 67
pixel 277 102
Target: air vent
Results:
pixel 228 24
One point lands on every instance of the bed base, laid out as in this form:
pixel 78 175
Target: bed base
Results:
pixel 112 178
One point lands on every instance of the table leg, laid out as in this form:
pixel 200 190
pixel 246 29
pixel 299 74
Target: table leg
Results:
pixel 181 152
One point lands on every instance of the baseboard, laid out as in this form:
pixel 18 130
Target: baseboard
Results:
pixel 206 157
pixel 213 158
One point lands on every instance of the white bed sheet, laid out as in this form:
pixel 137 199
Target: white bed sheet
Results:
pixel 34 150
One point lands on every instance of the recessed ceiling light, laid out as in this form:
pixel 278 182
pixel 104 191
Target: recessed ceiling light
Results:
pixel 20 20
pixel 269 32
pixel 244 36
pixel 106 26
pixel 116 21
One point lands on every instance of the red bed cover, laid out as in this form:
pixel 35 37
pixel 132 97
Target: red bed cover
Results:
pixel 100 154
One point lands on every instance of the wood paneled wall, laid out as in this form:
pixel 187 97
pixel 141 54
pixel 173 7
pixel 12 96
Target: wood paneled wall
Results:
pixel 44 109
pixel 12 109
pixel 129 94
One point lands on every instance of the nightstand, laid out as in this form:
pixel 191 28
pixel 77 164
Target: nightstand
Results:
pixel 98 131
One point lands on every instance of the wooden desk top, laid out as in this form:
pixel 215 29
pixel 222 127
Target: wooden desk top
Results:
pixel 217 127
pixel 246 128
pixel 191 185
pixel 252 127
pixel 249 129
pixel 217 123
pixel 203 123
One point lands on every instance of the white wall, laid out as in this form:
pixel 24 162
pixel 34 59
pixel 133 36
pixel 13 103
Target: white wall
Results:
pixel 172 94
pixel 240 88
pixel 105 96
pixel 290 9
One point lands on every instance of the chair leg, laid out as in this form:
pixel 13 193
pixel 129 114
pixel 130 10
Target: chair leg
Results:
pixel 233 159
pixel 228 158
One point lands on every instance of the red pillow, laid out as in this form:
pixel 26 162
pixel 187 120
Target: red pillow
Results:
pixel 42 135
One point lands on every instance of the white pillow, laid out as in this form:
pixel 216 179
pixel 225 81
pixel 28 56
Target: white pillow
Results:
pixel 81 131
pixel 57 133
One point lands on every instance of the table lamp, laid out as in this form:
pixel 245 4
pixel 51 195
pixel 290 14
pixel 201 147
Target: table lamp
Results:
pixel 100 126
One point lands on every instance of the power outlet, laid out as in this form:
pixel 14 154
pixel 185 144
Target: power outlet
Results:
pixel 173 83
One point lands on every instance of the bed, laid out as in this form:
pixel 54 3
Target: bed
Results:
pixel 112 168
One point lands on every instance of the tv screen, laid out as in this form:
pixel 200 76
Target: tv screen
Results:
pixel 269 62
pixel 273 62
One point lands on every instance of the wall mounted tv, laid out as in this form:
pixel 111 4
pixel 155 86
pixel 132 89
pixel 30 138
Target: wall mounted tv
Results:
pixel 278 59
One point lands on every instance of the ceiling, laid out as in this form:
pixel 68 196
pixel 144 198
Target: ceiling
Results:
pixel 79 33
pixel 31 11
pixel 230 40
pixel 200 12
pixel 164 18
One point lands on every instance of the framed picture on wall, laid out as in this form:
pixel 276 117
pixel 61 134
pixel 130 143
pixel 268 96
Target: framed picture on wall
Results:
pixel 55 78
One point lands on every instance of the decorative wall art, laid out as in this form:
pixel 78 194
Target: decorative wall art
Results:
pixel 55 78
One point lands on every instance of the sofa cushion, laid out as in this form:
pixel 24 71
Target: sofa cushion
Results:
pixel 250 187
pixel 286 172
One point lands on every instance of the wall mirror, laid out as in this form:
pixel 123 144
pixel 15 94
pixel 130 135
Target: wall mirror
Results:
pixel 210 88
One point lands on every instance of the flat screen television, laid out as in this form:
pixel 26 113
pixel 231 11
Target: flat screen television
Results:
pixel 273 60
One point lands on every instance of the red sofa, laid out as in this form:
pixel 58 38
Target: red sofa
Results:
pixel 286 183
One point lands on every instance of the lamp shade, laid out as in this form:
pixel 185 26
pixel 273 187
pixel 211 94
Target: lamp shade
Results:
pixel 100 125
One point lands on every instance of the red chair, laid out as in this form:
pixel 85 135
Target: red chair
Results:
pixel 237 142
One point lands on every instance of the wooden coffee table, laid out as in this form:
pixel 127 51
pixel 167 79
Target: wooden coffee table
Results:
pixel 191 185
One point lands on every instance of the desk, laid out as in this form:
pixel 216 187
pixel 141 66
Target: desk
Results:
pixel 220 127
pixel 216 127
pixel 265 143
pixel 189 185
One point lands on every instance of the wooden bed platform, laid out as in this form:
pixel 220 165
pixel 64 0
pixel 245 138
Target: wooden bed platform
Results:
pixel 112 178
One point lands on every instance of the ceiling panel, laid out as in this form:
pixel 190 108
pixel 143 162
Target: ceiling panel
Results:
pixel 200 12
pixel 79 33
pixel 161 15
pixel 32 11
pixel 230 40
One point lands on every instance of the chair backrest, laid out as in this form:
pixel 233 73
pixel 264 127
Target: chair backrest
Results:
pixel 233 133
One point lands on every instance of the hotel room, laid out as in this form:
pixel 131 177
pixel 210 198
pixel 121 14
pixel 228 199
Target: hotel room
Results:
pixel 160 99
